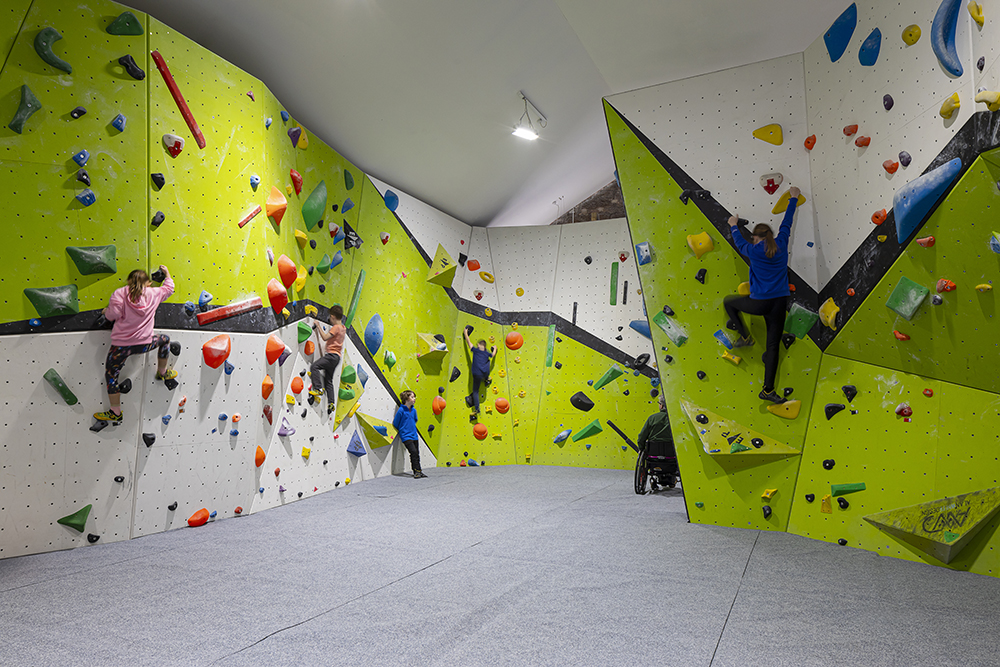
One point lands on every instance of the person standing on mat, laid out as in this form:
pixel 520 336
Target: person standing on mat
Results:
pixel 405 422
pixel 322 370
pixel 768 256
pixel 133 309
pixel 480 370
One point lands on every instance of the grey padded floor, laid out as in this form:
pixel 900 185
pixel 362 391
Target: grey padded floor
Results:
pixel 488 566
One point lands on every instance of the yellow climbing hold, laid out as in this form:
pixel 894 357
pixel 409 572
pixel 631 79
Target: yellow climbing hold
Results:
pixel 496 390
pixel 782 204
pixel 303 139
pixel 512 326
pixel 769 133
pixel 488 313
pixel 300 280
pixel 985 287
pixel 521 394
pixel 911 34
pixel 950 105
pixel 301 238
pixel 828 314
pixel 824 505
pixel 289 399
pixel 990 98
pixel 768 494
pixel 743 289
pixel 700 243
pixel 503 373
pixel 976 11
pixel 286 313
pixel 517 360
pixel 486 276
pixel 728 356
pixel 882 238
pixel 306 451
pixel 311 310
pixel 786 410
pixel 288 190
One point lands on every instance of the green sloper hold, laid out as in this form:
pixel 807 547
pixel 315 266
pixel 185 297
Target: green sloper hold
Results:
pixel 324 264
pixel 348 180
pixel 44 40
pixel 349 376
pixel 53 378
pixel 346 393
pixel 355 299
pixel 844 489
pixel 610 375
pixel 551 346
pixel 29 105
pixel 304 332
pixel 593 428
pixel 315 204
pixel 906 298
pixel 125 24
pixel 94 258
pixel 390 359
pixel 674 332
pixel 78 519
pixel 53 301
pixel 800 320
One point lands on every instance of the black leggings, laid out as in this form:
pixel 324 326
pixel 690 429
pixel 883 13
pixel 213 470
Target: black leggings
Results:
pixel 414 450
pixel 773 311
pixel 476 381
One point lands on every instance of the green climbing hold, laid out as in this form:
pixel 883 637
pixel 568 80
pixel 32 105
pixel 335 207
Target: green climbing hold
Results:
pixel 315 204
pixel 355 299
pixel 304 332
pixel 390 359
pixel 54 301
pixel 699 504
pixel 593 428
pixel 610 375
pixel 950 537
pixel 844 489
pixel 906 298
pixel 324 264
pixel 348 180
pixel 78 519
pixel 94 258
pixel 29 105
pixel 800 320
pixel 125 24
pixel 44 40
pixel 52 377
pixel 346 393
pixel 614 283
pixel 349 376
pixel 669 326
pixel 737 448
pixel 550 347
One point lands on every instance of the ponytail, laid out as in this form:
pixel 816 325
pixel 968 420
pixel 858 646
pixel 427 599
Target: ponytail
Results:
pixel 136 284
pixel 770 246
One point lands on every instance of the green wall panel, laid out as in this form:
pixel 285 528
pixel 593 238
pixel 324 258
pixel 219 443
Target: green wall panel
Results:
pixel 11 16
pixel 956 341
pixel 525 372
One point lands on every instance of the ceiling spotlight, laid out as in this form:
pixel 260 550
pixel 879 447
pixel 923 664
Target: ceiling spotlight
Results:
pixel 525 128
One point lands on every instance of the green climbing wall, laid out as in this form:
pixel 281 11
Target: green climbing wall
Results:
pixel 525 373
pixel 728 489
pixel 11 16
pixel 956 341
pixel 37 174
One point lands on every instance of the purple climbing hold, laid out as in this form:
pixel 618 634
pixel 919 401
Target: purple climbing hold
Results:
pixel 887 102
pixel 294 134
pixel 281 488
pixel 904 158
pixel 285 429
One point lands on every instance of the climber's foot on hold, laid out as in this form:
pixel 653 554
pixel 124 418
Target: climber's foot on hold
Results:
pixel 771 395
pixel 744 341
pixel 315 392
pixel 468 400
pixel 168 374
pixel 108 416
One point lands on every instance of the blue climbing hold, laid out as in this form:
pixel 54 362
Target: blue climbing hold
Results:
pixel 943 36
pixel 212 515
pixel 356 447
pixel 391 200
pixel 641 327
pixel 348 205
pixel 261 489
pixel 81 157
pixel 870 48
pixel 373 333
pixel 337 259
pixel 562 436
pixel 362 376
pixel 994 246
pixel 204 298
pixel 87 197
pixel 655 382
pixel 338 238
pixel 254 182
pixel 166 419
pixel 35 322
pixel 381 430
pixel 284 115
pixel 189 307
pixel 267 123
pixel 839 35
pixel 119 122
pixel 914 201
pixel 229 368
pixel 234 432
pixel 473 463
pixel 223 417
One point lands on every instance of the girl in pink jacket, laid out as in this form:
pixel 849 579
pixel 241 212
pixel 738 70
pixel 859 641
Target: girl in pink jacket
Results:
pixel 132 308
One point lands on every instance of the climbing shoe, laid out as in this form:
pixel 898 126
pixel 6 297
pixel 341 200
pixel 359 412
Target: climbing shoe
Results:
pixel 744 341
pixel 313 391
pixel 488 381
pixel 168 374
pixel 417 474
pixel 772 396
pixel 474 417
pixel 330 408
pixel 108 416
pixel 468 400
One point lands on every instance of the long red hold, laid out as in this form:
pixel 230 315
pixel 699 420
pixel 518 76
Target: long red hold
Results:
pixel 238 308
pixel 168 78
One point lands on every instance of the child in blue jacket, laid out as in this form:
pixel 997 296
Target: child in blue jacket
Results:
pixel 405 422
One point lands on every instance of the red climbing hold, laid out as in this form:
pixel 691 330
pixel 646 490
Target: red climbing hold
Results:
pixel 862 141
pixel 277 471
pixel 810 142
pixel 268 414
pixel 890 166
pixel 296 180
pixel 850 291
pixel 928 392
pixel 277 295
pixel 850 130
pixel 199 518
pixel 274 348
pixel 878 217
pixel 287 271
pixel 945 285
pixel 216 350
pixel 926 242
pixel 473 264
pixel 238 510
pixel 904 410
pixel 900 336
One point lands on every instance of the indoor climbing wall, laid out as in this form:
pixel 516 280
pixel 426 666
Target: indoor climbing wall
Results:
pixel 479 283
pixel 706 124
pixel 515 249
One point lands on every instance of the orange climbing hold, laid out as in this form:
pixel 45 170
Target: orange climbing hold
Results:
pixel 945 285
pixel 926 242
pixel 259 459
pixel 900 336
pixel 514 341
pixel 502 405
pixel 199 518
pixel 274 348
pixel 266 387
pixel 276 205
pixel 890 166
pixel 878 217
pixel 297 385
pixel 480 431
pixel 277 295
pixel 850 291
pixel 810 142
pixel 216 350
pixel 850 130
pixel 438 405
pixel 309 348
pixel 473 264
pixel 296 180
pixel 287 271
pixel 862 141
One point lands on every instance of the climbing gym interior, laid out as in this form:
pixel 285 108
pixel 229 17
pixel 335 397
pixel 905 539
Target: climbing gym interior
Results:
pixel 128 145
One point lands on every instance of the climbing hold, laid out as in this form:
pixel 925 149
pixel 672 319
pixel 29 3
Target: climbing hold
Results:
pixel 850 291
pixel 77 520
pixel 480 431
pixel 976 12
pixel 850 391
pixel 981 63
pixel 287 271
pixel 767 511
pixel 77 112
pixel 593 428
pixel 384 237
pixel 389 359
pixel 473 265
pixel 887 101
pixel 149 439
pixel 890 166
pixel 199 518
pixel 54 301
pixel 204 298
pixel 782 204
pixel 838 36
pixel 728 356
pixel 643 253
pixel 828 464
pixel 911 34
pixel 273 349
pixel 276 295
pixel 769 133
pixel 514 340
pixel 87 197
pixel 297 385
pixel 93 259
pixel 216 350
pixel 702 375
pixel 294 134
pixel 945 285
pixel 950 105
pixel 878 217
pixel 284 431
pixel 700 243
pixel 296 180
pixel 158 180
pixel 904 158
pixel 53 378
pixel 580 401
pixel 870 48
pixel 125 24
pixel 914 201
pixel 83 177
pixel 843 503
pixel 771 182
pixel 391 200
pixel 118 122
pixel 828 314
pixel 276 205
pixel 787 391
pixel 700 276
pixel 943 36
pixel 850 130
pixel 990 98
pixel 455 373
pixel 926 242
pixel 937 300
pixel 609 376
pixel 842 542
pixel 800 320
pixel 314 205
pixel 984 287
pixel 502 405
pixel 900 336
pixel 810 142
pixel 562 435
pixel 928 392
pixel 300 238
pixel 175 144
pixel 788 339
pixel 862 141
pixel 786 410
pixel 157 219
pixel 134 71
pixel 44 40
pixel 438 405
pixel 810 497
pixel 373 333
pixel 486 277
pixel 833 408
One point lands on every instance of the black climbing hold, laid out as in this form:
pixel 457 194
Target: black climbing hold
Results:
pixel 302 373
pixel 93 538
pixel 843 503
pixel 158 219
pixel 462 258
pixel 667 359
pixel 937 299
pixel 448 463
pixel 842 542
pixel 98 426
pixel 731 325
pixel 335 207
pixel 757 443
pixel 311 400
pixel 172 506
pixel 77 112
pixel 158 276
pixel 641 360
pixel 787 391
pixel 126 386
pixel 465 453
pixel 300 494
pixel 767 511
pixel 558 339
pixel 149 439
pixel 430 428
pixel 810 497
pixel 311 268
pixel 325 461
pixel 620 328
pixel 625 393
pixel 667 310
pixel 170 384
pixel 312 438
pixel 322 288
pixel 455 373
pixel 312 244
pixel 557 365
pixel 701 419
pixel 134 71
pixel 702 375
pixel 685 195
pixel 83 177
pixel 469 329
pixel 828 464
pixel 700 276
pixel 588 259
pixel 175 348
pixel 787 339
pixel 850 391
pixel 119 479
pixel 981 63
pixel 158 180
pixel 833 408
pixel 440 390
pixel 304 413
pixel 440 338
pixel 654 392
pixel 336 484
pixel 618 338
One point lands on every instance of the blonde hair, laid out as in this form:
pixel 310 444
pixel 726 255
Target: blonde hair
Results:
pixel 764 232
pixel 136 284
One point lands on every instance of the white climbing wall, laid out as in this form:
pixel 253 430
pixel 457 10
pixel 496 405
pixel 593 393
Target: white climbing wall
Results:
pixel 525 258
pixel 589 285
pixel 479 249
pixel 848 182
pixel 51 464
pixel 705 125
pixel 986 44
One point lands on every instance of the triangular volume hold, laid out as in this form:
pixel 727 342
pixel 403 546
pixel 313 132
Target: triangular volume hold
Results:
pixel 721 436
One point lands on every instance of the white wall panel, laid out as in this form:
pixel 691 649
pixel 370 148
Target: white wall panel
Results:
pixel 525 258
pixel 479 249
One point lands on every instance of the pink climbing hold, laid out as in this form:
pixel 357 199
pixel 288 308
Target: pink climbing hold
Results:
pixel 250 95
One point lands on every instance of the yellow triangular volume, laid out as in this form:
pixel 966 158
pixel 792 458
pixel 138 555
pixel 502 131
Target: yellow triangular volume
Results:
pixel 374 438
pixel 442 270
pixel 430 347
pixel 770 133
pixel 940 528
pixel 782 204
pixel 721 436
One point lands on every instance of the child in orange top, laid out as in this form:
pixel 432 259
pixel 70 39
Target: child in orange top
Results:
pixel 322 370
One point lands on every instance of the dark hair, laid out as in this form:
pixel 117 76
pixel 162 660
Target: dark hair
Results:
pixel 405 395
pixel 136 284
pixel 481 342
pixel 337 311
pixel 764 232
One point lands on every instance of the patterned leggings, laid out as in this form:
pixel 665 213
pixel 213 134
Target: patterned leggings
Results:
pixel 117 356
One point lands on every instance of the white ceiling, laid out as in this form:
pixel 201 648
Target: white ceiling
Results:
pixel 424 94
